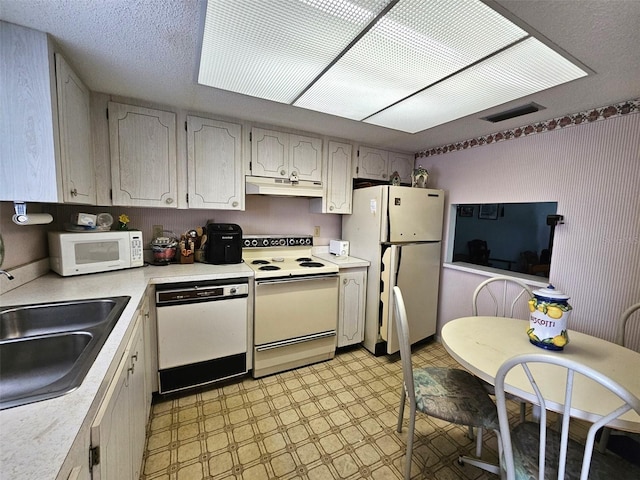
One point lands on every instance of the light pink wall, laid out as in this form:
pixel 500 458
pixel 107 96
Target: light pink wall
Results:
pixel 593 172
pixel 263 215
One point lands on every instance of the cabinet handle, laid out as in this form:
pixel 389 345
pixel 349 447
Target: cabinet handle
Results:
pixel 384 175
pixel 134 357
pixel 169 201
pixel 234 204
pixel 131 369
pixel 74 192
pixel 331 208
pixel 283 172
pixel 344 281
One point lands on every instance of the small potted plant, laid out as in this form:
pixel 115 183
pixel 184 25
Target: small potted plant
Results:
pixel 123 219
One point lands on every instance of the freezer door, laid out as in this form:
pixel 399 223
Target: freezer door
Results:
pixel 415 268
pixel 415 214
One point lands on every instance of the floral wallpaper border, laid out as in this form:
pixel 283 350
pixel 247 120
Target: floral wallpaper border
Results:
pixel 569 120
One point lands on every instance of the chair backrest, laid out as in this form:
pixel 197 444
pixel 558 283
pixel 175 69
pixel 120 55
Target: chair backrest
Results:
pixel 628 401
pixel 622 323
pixel 501 290
pixel 402 326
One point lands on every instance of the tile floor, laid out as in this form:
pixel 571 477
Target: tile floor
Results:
pixel 331 420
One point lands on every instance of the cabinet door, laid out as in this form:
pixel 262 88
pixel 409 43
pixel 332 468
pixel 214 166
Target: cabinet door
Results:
pixel 339 183
pixel 110 431
pixel 214 167
pixel 78 176
pixel 305 158
pixel 138 405
pixel 373 163
pixel 403 164
pixel 28 144
pixel 269 153
pixel 351 305
pixel 143 156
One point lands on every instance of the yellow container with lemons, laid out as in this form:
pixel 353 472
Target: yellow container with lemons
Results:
pixel 550 311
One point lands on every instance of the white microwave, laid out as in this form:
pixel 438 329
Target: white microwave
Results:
pixel 73 253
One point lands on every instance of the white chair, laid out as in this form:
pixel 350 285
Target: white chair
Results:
pixel 620 340
pixel 501 290
pixel 532 450
pixel 497 292
pixel 450 394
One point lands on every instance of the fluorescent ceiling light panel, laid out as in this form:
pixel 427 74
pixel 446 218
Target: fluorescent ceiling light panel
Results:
pixel 521 70
pixel 402 64
pixel 273 49
pixel 416 44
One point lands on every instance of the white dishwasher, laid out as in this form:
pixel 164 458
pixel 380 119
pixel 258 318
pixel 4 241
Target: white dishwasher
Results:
pixel 202 332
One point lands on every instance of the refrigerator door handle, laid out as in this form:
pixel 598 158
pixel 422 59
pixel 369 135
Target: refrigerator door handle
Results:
pixel 398 263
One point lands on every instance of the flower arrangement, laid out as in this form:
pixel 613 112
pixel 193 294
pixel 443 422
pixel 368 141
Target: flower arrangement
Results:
pixel 123 219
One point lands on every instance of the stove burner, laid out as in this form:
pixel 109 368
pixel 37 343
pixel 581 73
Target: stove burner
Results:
pixel 269 267
pixel 311 264
pixel 259 262
pixel 303 259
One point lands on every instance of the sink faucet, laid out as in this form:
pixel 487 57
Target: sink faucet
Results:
pixel 9 276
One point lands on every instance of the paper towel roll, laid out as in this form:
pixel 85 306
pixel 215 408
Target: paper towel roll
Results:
pixel 33 219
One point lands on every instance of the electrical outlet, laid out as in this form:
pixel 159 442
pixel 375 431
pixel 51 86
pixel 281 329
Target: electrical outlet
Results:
pixel 316 231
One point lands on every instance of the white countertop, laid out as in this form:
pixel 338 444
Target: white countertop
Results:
pixel 342 261
pixel 35 438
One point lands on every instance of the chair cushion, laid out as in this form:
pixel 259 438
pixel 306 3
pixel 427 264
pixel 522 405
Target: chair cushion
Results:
pixel 524 438
pixel 455 396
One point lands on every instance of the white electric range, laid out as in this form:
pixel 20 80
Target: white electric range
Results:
pixel 295 304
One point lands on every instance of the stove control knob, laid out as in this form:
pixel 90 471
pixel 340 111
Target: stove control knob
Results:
pixel 233 290
pixel 307 241
pixel 254 243
pixel 283 241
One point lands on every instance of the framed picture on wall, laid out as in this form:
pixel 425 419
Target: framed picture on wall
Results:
pixel 488 211
pixel 465 210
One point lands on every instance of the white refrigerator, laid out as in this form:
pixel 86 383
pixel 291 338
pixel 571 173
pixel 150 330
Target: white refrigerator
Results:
pixel 399 230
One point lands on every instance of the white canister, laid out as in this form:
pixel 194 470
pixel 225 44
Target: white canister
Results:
pixel 550 312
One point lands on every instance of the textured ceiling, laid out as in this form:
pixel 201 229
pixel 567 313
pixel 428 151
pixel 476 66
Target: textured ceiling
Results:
pixel 149 49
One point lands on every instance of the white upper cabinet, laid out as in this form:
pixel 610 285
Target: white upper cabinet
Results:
pixel 78 176
pixel 337 181
pixel 214 164
pixel 377 164
pixel 402 163
pixel 143 156
pixel 45 152
pixel 305 157
pixel 283 155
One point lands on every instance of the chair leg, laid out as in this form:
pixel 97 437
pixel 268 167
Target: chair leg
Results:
pixel 604 440
pixel 479 443
pixel 470 433
pixel 409 454
pixel 403 399
pixel 523 412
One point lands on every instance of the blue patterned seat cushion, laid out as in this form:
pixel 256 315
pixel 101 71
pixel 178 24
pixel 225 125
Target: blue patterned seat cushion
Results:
pixel 524 438
pixel 455 396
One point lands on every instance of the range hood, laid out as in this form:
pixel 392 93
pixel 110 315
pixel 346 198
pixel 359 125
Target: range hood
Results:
pixel 283 187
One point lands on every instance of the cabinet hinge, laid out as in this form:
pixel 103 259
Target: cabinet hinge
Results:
pixel 111 193
pixel 94 457
pixel 357 170
pixel 185 126
pixel 187 195
pixel 251 166
pixel 250 136
pixel 107 114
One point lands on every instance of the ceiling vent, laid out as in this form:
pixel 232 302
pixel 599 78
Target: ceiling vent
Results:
pixel 514 112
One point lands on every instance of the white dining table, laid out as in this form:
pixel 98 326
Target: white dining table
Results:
pixel 481 344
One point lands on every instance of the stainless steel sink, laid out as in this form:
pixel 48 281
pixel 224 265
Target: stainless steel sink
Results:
pixel 47 349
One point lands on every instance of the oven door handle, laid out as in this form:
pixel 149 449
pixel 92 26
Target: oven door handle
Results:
pixel 302 278
pixel 294 341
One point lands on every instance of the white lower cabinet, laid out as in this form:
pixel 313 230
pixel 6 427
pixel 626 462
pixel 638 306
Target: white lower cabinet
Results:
pixel 118 431
pixel 351 305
